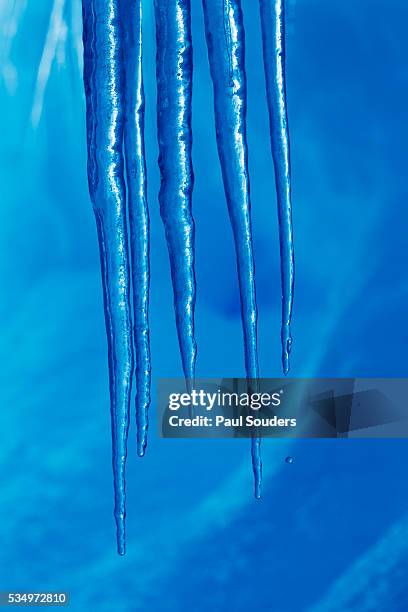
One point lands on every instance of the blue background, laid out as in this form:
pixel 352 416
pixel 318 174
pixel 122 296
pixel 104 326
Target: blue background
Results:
pixel 331 532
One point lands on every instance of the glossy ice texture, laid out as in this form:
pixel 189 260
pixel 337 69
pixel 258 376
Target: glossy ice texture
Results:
pixel 104 82
pixel 226 51
pixel 273 36
pixel 174 67
pixel 138 210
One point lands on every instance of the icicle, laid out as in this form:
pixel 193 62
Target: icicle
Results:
pixel 138 211
pixel 226 51
pixel 273 36
pixel 103 78
pixel 174 89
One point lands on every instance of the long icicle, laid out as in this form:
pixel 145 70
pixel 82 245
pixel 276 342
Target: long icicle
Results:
pixel 226 51
pixel 138 211
pixel 103 78
pixel 273 37
pixel 174 65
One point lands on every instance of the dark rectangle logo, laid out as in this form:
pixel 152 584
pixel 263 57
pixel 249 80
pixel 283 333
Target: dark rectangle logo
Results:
pixel 283 408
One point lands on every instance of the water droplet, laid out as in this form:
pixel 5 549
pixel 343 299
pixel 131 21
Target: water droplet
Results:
pixel 290 460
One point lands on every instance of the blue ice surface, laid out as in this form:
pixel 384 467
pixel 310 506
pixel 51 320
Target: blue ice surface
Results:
pixel 104 84
pixel 225 37
pixel 331 532
pixel 174 68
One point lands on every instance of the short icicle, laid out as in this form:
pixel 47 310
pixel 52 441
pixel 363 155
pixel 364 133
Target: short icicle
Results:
pixel 174 90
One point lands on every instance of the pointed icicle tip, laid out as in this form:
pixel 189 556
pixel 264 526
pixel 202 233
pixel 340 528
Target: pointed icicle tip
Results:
pixel 121 535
